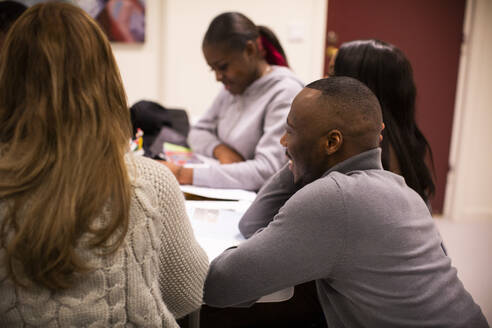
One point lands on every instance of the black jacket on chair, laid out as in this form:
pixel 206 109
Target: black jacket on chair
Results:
pixel 159 125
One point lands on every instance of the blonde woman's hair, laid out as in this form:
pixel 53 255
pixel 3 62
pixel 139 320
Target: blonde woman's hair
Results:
pixel 64 130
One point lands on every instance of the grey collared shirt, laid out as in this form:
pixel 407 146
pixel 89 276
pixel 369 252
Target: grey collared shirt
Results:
pixel 364 236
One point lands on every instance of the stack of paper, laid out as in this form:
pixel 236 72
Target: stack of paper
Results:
pixel 216 193
pixel 215 224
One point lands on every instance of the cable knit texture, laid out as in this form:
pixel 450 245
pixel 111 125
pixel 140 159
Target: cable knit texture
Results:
pixel 157 274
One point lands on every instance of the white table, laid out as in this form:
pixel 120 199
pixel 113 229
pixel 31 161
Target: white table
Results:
pixel 215 224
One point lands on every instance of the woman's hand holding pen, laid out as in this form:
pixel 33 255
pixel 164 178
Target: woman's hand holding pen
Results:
pixel 184 175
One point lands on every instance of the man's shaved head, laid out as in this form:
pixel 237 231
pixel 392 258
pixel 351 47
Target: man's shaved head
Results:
pixel 351 106
pixel 330 120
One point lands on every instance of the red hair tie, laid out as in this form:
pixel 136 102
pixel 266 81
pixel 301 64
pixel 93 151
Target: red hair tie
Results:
pixel 271 54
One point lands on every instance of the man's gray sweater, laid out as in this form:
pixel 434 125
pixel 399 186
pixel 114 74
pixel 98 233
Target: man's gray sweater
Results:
pixel 365 237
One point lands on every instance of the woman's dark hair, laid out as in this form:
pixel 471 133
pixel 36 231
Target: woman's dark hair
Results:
pixel 387 72
pixel 235 30
pixel 9 12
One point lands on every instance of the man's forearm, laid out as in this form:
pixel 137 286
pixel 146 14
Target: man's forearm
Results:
pixel 271 197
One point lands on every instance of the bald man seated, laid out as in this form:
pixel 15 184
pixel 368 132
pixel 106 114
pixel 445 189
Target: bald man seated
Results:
pixel 336 217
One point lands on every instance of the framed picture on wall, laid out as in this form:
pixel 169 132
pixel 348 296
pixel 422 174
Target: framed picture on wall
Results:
pixel 121 20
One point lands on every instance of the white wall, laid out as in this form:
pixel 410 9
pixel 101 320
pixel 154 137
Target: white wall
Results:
pixel 469 188
pixel 141 64
pixel 188 81
pixel 170 69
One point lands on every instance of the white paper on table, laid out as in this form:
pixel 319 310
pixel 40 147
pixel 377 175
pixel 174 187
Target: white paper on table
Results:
pixel 217 193
pixel 238 206
pixel 227 194
pixel 215 224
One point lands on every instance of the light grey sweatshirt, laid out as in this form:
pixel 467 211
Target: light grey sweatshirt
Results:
pixel 251 123
pixel 365 237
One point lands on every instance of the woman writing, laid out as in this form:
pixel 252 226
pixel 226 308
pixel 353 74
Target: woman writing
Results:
pixel 245 122
pixel 89 235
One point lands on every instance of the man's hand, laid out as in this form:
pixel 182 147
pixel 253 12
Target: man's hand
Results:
pixel 227 155
pixel 184 175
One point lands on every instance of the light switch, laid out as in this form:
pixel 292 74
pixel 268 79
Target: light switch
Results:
pixel 295 32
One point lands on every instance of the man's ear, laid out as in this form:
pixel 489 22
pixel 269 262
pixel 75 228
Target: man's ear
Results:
pixel 333 141
pixel 381 133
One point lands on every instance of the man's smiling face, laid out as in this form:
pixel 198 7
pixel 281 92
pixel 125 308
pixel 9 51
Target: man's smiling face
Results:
pixel 303 138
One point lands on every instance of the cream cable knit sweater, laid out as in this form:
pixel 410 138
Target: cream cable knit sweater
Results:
pixel 157 275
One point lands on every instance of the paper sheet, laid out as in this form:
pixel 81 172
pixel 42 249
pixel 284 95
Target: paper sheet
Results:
pixel 215 193
pixel 215 224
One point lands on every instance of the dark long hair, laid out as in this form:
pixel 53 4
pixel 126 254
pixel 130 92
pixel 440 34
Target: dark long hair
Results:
pixel 9 12
pixel 387 72
pixel 235 30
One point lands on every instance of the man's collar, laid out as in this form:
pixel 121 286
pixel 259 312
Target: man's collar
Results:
pixel 368 160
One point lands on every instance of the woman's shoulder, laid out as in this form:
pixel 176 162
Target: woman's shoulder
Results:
pixel 149 170
pixel 285 76
pixel 155 186
pixel 280 82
